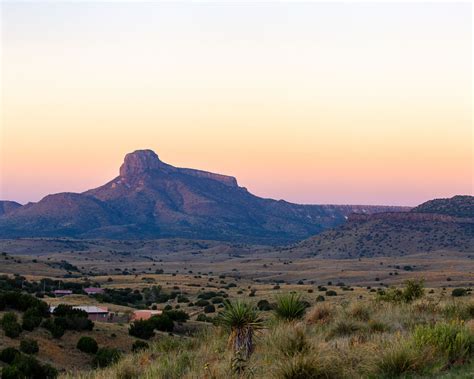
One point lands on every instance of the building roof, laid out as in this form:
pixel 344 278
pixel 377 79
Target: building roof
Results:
pixel 90 309
pixel 93 290
pixel 145 314
pixel 63 291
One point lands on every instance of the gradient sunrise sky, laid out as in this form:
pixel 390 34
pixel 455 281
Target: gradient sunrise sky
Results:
pixel 360 103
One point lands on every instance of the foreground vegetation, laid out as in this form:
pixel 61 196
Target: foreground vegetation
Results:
pixel 400 333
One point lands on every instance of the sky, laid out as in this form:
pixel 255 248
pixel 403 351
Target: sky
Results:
pixel 343 103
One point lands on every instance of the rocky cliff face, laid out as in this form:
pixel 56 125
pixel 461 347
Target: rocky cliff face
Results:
pixel 152 199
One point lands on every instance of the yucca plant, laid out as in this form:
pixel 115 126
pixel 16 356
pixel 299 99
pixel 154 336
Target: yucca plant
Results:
pixel 242 320
pixel 289 307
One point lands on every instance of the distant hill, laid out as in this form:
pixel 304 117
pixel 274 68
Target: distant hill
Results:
pixel 152 199
pixel 457 206
pixel 8 206
pixel 437 225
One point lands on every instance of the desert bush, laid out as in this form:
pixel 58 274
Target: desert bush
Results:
pixel 264 305
pixel 162 323
pixel 376 326
pixel 142 329
pixel 8 354
pixel 31 319
pixel 209 308
pixel 414 289
pixel 29 346
pixel 344 328
pixel 202 303
pixel 57 331
pixel 454 339
pixel 360 311
pixel 290 340
pixel 178 316
pixel 401 359
pixel 105 357
pixel 307 367
pixel 457 292
pixel 289 307
pixel 12 329
pixel 139 345
pixel 87 345
pixel 320 314
pixel 331 293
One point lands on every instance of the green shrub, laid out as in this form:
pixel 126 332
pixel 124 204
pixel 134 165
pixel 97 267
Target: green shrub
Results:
pixel 331 293
pixel 289 307
pixel 203 318
pixel 105 357
pixel 413 290
pixel 401 359
pixel 209 308
pixel 343 328
pixel 57 331
pixel 11 372
pixel 29 346
pixel 162 323
pixel 87 345
pixel 143 329
pixel 292 341
pixel 139 345
pixel 178 316
pixel 31 319
pixel 9 318
pixel 264 305
pixel 457 292
pixel 8 354
pixel 12 329
pixel 454 340
pixel 307 367
pixel 360 312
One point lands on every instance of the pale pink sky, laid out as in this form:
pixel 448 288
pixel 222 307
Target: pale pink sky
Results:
pixel 311 103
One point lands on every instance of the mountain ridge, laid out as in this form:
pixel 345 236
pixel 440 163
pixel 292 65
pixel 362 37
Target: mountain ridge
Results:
pixel 152 199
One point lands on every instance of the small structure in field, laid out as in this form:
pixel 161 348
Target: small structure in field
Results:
pixel 60 293
pixel 94 312
pixel 93 290
pixel 144 314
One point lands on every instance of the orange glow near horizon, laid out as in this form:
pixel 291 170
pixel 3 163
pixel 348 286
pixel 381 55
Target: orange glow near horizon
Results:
pixel 313 103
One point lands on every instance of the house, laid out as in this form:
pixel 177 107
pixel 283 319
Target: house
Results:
pixel 93 290
pixel 94 313
pixel 144 314
pixel 60 293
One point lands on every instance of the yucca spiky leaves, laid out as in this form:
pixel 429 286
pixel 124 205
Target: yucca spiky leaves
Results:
pixel 242 320
pixel 289 307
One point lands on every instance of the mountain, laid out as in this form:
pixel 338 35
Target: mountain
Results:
pixel 437 225
pixel 8 206
pixel 152 199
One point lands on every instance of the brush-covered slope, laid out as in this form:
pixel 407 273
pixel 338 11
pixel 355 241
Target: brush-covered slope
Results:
pixel 8 206
pixel 152 199
pixel 437 225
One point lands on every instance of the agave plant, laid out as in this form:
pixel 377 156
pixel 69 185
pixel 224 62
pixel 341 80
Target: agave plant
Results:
pixel 242 320
pixel 290 307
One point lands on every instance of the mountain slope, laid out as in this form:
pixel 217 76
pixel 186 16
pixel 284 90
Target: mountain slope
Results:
pixel 8 206
pixel 437 225
pixel 152 199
